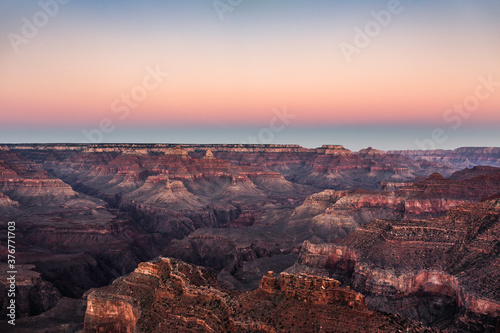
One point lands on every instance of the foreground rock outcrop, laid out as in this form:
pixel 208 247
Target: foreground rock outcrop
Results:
pixel 168 295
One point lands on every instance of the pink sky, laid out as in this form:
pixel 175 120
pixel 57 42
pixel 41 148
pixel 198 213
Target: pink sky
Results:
pixel 70 75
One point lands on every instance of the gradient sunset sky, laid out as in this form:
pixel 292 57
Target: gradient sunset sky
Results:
pixel 225 77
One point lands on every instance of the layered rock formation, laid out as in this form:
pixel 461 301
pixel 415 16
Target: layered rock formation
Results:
pixel 459 158
pixel 335 214
pixel 330 166
pixel 443 272
pixel 90 213
pixel 327 215
pixel 170 295
pixel 66 241
pixel 312 289
pixel 333 166
pixel 474 172
pixel 173 193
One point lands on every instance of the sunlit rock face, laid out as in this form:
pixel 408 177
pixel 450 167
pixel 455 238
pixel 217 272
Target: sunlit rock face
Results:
pixel 170 295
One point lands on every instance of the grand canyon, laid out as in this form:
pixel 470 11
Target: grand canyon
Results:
pixel 249 166
pixel 250 238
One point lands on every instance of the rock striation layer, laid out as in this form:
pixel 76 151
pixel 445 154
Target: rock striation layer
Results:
pixel 443 272
pixel 335 214
pixel 459 158
pixel 170 295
